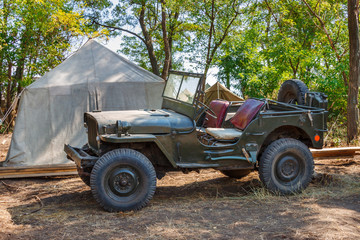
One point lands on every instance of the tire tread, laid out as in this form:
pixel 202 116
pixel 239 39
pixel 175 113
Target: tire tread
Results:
pixel 298 84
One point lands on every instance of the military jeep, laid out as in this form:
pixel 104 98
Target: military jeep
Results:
pixel 128 151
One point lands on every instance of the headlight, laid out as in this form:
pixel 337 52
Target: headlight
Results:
pixel 123 127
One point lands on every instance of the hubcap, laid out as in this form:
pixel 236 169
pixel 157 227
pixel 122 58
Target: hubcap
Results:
pixel 287 168
pixel 123 181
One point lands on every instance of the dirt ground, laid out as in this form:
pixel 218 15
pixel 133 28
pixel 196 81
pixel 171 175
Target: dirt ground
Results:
pixel 192 206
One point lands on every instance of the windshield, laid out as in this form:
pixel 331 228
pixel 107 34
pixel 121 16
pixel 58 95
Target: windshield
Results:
pixel 181 87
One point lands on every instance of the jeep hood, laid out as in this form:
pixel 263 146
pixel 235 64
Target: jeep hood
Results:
pixel 141 121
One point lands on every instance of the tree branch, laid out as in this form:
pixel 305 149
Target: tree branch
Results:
pixel 331 42
pixel 272 13
pixel 120 29
pixel 222 37
pixel 332 45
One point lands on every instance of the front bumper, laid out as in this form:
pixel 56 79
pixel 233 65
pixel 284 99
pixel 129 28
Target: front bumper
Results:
pixel 80 157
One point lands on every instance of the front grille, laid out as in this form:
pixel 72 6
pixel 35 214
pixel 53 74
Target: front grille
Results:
pixel 92 132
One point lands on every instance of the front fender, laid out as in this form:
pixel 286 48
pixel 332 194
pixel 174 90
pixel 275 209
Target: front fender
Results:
pixel 138 138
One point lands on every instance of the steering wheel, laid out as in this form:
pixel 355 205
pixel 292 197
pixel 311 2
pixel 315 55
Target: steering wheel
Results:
pixel 205 108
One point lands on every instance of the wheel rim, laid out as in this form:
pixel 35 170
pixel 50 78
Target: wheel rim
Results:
pixel 288 168
pixel 122 181
pixel 290 98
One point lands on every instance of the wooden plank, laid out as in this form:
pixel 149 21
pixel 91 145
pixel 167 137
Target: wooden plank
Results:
pixel 38 171
pixel 335 152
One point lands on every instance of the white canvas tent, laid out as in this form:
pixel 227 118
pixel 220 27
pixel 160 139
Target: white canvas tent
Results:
pixel 51 109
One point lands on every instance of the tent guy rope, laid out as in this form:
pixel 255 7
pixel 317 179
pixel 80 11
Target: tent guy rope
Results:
pixel 11 108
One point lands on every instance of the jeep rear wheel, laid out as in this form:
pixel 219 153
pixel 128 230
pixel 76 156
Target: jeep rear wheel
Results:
pixel 240 173
pixel 293 91
pixel 286 166
pixel 123 180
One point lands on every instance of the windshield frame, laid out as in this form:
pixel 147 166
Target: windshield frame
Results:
pixel 183 75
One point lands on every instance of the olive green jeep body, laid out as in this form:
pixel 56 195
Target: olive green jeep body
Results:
pixel 128 150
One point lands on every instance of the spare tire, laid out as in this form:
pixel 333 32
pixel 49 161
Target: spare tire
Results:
pixel 293 91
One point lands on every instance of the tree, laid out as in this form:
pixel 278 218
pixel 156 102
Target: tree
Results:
pixel 152 31
pixel 35 36
pixel 282 40
pixel 275 44
pixel 159 34
pixel 354 72
pixel 214 20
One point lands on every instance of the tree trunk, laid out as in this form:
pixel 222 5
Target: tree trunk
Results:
pixel 171 35
pixel 208 60
pixel 354 73
pixel 8 88
pixel 148 43
pixel 8 92
pixel 167 62
pixel 228 80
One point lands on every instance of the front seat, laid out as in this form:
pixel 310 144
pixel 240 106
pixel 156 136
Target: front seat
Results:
pixel 219 107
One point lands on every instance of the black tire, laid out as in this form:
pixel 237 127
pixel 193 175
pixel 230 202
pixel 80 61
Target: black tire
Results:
pixel 240 173
pixel 123 180
pixel 84 178
pixel 286 166
pixel 293 91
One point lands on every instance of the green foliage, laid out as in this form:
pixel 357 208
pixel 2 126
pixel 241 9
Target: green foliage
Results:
pixel 35 36
pixel 195 29
pixel 282 40
pixel 39 32
pixel 213 22
pixel 256 45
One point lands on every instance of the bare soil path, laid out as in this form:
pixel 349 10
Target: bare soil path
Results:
pixel 192 206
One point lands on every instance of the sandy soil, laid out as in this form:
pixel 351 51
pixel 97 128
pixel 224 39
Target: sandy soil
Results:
pixel 188 206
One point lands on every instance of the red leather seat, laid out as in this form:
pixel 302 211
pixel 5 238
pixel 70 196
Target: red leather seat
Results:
pixel 219 107
pixel 246 113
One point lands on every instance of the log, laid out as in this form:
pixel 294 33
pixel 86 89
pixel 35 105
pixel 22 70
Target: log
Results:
pixel 38 171
pixel 335 152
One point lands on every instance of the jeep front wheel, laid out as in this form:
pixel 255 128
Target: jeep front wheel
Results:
pixel 123 180
pixel 286 166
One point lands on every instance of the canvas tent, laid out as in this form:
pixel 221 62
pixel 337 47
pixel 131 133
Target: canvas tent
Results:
pixel 51 109
pixel 218 91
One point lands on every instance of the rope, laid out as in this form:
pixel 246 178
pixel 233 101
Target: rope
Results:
pixel 9 124
pixel 11 108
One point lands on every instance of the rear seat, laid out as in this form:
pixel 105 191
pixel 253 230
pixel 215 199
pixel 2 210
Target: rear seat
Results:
pixel 244 115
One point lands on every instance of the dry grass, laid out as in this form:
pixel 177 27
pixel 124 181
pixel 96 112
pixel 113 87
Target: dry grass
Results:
pixel 337 134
